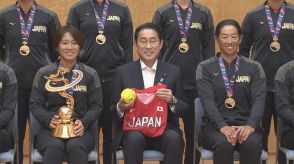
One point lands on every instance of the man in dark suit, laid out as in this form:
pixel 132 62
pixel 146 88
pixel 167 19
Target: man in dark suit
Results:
pixel 145 73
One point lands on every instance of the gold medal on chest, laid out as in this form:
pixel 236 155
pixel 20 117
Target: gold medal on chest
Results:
pixel 24 50
pixel 100 38
pixel 275 45
pixel 230 103
pixel 183 47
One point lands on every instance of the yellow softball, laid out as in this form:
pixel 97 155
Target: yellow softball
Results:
pixel 128 95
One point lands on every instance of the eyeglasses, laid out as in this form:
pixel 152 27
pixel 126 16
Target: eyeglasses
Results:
pixel 145 42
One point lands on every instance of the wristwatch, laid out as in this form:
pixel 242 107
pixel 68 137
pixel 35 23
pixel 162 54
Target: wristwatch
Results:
pixel 175 100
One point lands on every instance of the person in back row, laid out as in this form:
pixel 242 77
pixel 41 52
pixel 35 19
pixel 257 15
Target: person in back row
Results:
pixel 268 38
pixel 26 32
pixel 108 30
pixel 188 39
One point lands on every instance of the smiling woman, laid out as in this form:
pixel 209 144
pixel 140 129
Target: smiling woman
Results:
pixel 67 99
pixel 68 49
pixel 68 42
pixel 228 35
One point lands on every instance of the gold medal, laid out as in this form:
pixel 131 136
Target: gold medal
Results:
pixel 183 47
pixel 24 50
pixel 275 45
pixel 230 103
pixel 100 39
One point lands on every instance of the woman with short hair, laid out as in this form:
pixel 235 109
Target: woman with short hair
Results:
pixel 66 85
pixel 232 90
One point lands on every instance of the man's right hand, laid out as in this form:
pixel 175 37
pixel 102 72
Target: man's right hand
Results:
pixel 122 106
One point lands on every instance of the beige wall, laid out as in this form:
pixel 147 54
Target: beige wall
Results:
pixel 142 11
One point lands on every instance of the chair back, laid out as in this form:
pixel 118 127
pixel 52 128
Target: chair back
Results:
pixel 35 126
pixel 280 125
pixel 199 113
pixel 94 154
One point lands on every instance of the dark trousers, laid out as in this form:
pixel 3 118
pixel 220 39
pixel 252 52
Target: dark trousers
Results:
pixel 171 144
pixel 105 122
pixel 189 128
pixel 270 112
pixel 74 150
pixel 287 140
pixel 5 140
pixel 23 114
pixel 250 150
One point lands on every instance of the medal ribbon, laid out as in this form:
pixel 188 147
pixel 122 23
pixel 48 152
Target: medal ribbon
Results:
pixel 183 29
pixel 101 21
pixel 73 77
pixel 26 29
pixel 275 31
pixel 229 83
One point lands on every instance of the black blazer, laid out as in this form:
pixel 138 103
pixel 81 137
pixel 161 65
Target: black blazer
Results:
pixel 130 76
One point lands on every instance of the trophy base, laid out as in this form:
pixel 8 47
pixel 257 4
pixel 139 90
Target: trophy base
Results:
pixel 64 131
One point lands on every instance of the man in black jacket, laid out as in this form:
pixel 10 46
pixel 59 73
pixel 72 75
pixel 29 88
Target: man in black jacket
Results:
pixel 145 73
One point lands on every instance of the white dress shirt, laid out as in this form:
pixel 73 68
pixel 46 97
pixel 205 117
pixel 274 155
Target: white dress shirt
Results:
pixel 148 74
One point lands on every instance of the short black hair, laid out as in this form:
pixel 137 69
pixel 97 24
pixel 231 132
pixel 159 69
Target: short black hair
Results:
pixel 73 31
pixel 152 26
pixel 226 22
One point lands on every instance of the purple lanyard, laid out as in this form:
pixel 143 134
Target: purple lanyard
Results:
pixel 101 21
pixel 73 77
pixel 275 31
pixel 26 29
pixel 183 30
pixel 229 83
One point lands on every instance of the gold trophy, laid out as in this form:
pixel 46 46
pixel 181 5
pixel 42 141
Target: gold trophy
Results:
pixel 65 128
